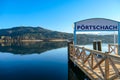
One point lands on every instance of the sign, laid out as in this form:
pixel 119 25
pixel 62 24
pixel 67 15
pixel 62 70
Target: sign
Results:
pixel 96 24
pixel 96 28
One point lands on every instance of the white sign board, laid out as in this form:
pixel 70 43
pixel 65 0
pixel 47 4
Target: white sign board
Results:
pixel 96 24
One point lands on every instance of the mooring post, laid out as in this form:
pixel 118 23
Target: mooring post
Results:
pixel 99 45
pixel 94 45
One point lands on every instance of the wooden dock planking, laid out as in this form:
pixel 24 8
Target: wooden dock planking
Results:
pixel 91 74
pixel 105 68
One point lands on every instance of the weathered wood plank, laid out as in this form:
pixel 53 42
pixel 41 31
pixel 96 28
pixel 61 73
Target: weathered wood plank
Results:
pixel 106 68
pixel 98 63
pixel 95 68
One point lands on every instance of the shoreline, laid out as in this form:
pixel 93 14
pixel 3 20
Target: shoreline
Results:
pixel 46 40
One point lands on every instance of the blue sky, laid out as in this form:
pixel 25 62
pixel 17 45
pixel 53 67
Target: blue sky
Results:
pixel 56 15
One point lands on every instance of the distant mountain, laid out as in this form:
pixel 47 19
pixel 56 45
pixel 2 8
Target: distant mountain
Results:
pixel 39 33
pixel 33 33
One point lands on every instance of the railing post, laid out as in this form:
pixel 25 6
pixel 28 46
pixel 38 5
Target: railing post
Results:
pixel 108 47
pixel 117 50
pixel 106 66
pixel 91 60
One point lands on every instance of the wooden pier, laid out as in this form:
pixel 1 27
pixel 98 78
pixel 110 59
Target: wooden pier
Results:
pixel 95 64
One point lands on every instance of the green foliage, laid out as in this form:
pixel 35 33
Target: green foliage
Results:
pixel 33 33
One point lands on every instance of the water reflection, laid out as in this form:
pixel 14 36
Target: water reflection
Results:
pixel 30 47
pixel 74 73
pixel 50 65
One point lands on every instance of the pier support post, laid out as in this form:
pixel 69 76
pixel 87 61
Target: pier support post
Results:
pixel 94 45
pixel 99 45
pixel 69 42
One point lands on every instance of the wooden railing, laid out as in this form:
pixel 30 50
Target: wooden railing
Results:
pixel 104 65
pixel 113 48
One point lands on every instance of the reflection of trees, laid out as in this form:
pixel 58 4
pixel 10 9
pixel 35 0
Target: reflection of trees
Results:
pixel 30 47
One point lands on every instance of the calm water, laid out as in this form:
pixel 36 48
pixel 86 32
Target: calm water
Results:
pixel 33 61
pixel 36 61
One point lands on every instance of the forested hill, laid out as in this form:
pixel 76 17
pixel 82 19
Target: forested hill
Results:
pixel 33 33
pixel 39 33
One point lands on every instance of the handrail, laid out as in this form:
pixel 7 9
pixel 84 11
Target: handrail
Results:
pixel 93 62
pixel 113 48
pixel 96 51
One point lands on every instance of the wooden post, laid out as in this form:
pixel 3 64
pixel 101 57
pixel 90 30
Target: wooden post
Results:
pixel 109 48
pixel 69 42
pixel 94 45
pixel 91 60
pixel 117 50
pixel 106 67
pixel 99 45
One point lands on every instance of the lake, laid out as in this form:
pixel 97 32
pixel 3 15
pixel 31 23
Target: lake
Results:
pixel 37 61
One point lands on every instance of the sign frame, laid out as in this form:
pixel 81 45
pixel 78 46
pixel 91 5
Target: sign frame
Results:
pixel 75 29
